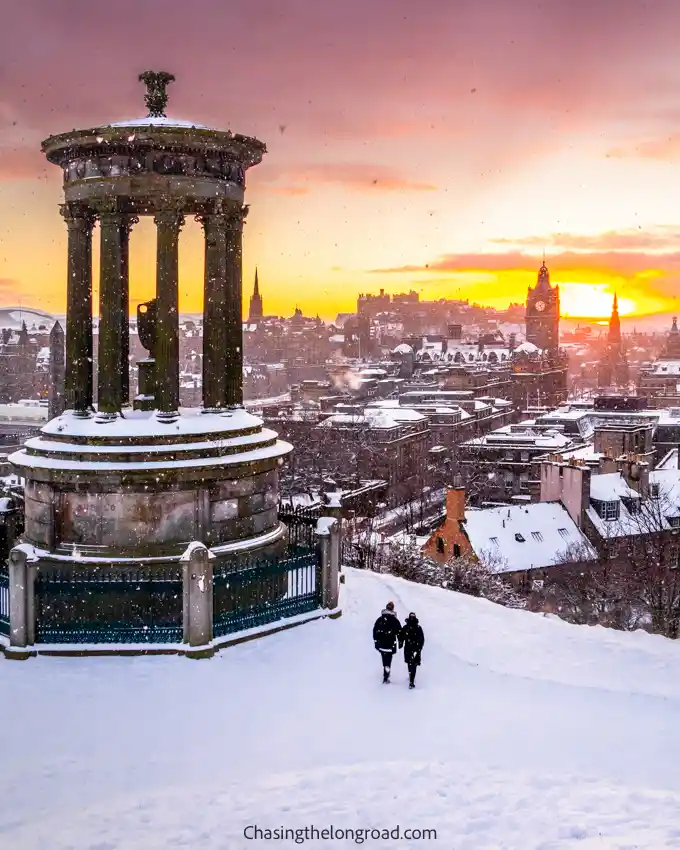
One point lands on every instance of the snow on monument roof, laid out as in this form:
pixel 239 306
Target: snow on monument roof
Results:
pixel 148 121
pixel 545 528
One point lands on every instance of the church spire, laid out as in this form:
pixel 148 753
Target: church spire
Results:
pixel 256 310
pixel 614 334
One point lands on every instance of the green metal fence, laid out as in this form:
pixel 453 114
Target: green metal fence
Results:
pixel 4 600
pixel 109 606
pixel 263 591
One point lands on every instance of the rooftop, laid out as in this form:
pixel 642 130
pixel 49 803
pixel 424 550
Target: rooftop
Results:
pixel 523 537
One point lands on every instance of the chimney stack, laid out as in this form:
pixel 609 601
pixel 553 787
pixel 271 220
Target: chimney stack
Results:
pixel 455 504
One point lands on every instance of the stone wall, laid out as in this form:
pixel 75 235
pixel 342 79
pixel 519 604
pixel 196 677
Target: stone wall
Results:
pixel 149 522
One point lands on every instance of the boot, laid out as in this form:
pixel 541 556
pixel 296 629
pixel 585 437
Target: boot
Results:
pixel 386 675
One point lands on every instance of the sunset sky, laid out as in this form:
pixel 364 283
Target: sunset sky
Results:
pixel 438 145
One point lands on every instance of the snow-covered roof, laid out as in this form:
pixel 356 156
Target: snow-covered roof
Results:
pixel 523 537
pixel 651 514
pixel 665 367
pixel 610 487
pixel 669 461
pixel 402 348
pixel 527 348
pixel 148 121
pixel 376 417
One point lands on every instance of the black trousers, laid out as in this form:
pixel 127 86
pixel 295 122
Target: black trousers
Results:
pixel 412 660
pixel 386 659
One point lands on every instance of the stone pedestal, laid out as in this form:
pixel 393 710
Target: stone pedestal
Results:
pixel 146 380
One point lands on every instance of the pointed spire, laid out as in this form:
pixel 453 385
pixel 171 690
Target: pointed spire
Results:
pixel 614 334
pixel 256 290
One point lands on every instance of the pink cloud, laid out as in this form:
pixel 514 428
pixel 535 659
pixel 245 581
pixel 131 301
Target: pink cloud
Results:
pixel 666 148
pixel 360 177
pixel 660 238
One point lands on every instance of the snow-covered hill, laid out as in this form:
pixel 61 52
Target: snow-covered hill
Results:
pixel 523 733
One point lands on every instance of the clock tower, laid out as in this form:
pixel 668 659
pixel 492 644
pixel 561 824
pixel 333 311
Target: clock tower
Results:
pixel 543 312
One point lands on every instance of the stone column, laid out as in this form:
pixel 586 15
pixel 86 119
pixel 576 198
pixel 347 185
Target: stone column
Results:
pixel 109 381
pixel 198 595
pixel 168 225
pixel 214 316
pixel 21 598
pixel 233 362
pixel 78 385
pixel 126 226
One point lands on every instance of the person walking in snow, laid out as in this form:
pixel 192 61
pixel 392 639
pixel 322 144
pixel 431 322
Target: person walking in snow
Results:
pixel 386 631
pixel 412 638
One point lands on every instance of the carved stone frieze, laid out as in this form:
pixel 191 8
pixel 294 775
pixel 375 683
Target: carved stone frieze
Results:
pixel 156 162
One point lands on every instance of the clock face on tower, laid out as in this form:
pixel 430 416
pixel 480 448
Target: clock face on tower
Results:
pixel 540 306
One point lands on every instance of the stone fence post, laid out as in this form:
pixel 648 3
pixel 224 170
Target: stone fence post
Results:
pixel 197 606
pixel 22 561
pixel 334 509
pixel 327 532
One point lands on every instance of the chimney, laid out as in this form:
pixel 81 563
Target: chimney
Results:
pixel 455 504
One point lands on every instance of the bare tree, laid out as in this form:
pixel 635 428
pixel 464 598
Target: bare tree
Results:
pixel 635 580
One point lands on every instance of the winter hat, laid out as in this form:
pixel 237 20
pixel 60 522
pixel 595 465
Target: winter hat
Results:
pixel 389 606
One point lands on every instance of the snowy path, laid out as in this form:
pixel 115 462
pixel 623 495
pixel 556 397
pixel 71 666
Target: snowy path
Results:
pixel 523 733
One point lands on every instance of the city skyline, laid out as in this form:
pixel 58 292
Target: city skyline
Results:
pixel 442 150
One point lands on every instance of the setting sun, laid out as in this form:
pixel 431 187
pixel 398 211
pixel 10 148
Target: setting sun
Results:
pixel 593 301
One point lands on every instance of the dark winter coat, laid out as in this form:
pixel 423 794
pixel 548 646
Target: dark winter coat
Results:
pixel 386 631
pixel 413 639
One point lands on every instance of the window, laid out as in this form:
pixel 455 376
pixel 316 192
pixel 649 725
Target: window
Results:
pixel 654 490
pixel 607 510
pixel 525 457
pixel 441 545
pixel 519 538
pixel 563 532
pixel 456 550
pixel 537 536
pixel 674 521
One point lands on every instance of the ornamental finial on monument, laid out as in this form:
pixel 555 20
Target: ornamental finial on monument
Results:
pixel 156 97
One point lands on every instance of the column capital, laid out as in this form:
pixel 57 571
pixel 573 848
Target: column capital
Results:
pixel 171 218
pixel 128 221
pixel 236 217
pixel 78 216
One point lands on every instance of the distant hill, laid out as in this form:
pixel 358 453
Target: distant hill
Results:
pixel 12 317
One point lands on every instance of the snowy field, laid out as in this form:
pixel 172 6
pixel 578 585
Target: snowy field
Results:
pixel 523 733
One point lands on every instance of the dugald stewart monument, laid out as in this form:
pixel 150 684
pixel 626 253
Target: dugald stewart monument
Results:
pixel 144 522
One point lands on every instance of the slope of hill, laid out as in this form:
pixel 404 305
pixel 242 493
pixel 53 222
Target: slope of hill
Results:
pixel 523 733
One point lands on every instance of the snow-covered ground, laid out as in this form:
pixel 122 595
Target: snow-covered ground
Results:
pixel 523 733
